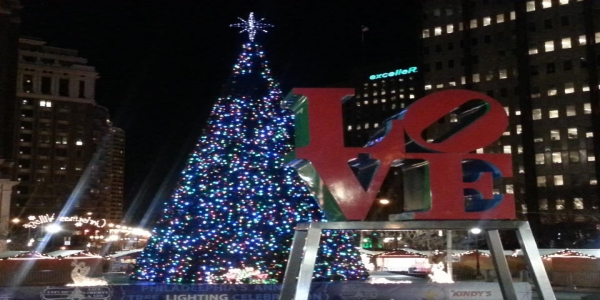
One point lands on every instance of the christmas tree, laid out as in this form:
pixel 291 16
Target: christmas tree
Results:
pixel 232 216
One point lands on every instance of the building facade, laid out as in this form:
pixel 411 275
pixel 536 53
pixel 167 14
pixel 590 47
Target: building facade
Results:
pixel 539 59
pixel 68 156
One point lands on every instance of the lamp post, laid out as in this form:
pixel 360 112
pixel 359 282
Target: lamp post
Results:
pixel 476 232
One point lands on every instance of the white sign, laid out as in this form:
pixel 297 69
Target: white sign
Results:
pixel 35 221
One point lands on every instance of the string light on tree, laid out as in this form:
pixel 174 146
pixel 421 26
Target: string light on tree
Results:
pixel 232 215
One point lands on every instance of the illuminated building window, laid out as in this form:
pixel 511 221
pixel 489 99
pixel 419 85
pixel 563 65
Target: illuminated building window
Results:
pixel 541 181
pixel 506 149
pixel 499 18
pixel 507 110
pixel 44 103
pixel 510 189
pixel 536 114
pixel 593 181
pixel 520 149
pixel 502 74
pixel 357 103
pixel 539 159
pixel 366 102
pixel 358 127
pixel 439 86
pixel 597 37
pixel 519 129
pixel 79 142
pixel 569 88
pixel 587 109
pixel 425 33
pixel 376 125
pixel 411 96
pixel 585 88
pixel 543 204
pixel 518 112
pixel 578 203
pixel 556 158
pixel 437 31
pixel 563 2
pixel 463 80
pixel 538 139
pixel 473 24
pixel 589 134
pixel 571 111
pixel 349 127
pixel 452 83
pixel 566 43
pixel 582 40
pixel 572 133
pixel 530 6
pixel 513 15
pixel 560 204
pixel 549 46
pixel 450 28
pixel 553 113
pixel 487 21
pixel 555 135
pixel 480 150
pixel 533 51
pixel 558 180
pixel 475 77
pixel 521 169
pixel 506 133
pixel 546 3
pixel 591 157
pixel 366 125
pixel 460 26
pixel 489 76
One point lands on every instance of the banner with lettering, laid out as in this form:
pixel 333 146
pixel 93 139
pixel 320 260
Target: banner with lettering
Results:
pixel 320 291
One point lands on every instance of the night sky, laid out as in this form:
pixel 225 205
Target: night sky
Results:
pixel 162 64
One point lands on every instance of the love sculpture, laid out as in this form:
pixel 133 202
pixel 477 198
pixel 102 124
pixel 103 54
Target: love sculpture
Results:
pixel 457 193
pixel 454 172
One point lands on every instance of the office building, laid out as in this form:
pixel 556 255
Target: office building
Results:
pixel 539 59
pixel 68 156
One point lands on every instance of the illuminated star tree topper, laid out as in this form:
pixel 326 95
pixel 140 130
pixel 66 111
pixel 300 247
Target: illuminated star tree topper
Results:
pixel 251 26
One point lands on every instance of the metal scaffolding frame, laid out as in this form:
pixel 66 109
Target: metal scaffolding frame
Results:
pixel 301 263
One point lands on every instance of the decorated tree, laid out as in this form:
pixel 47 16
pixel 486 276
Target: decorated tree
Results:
pixel 232 216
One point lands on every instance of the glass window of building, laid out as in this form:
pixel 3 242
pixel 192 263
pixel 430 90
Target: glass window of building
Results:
pixel 489 76
pixel 539 159
pixel 500 18
pixel 476 77
pixel 538 139
pixel 46 87
pixel 560 204
pixel 513 15
pixel 571 111
pixel 549 46
pixel 506 149
pixel 536 114
pixel 582 40
pixel 460 26
pixel 556 158
pixel 507 110
pixel 450 28
pixel 578 203
pixel 587 109
pixel 550 68
pixel 597 37
pixel 27 84
pixel 502 74
pixel 533 51
pixel 566 43
pixel 530 6
pixel 552 91
pixel 349 128
pixel 573 156
pixel 63 87
pixel 593 181
pixel 473 24
pixel 585 88
pixel 519 129
pixel 541 181
pixel 558 180
pixel 589 134
pixel 463 80
pixel 590 156
pixel 425 33
pixel 487 21
pixel 555 135
pixel 563 2
pixel 437 31
pixel 543 204
pixel 572 133
pixel 510 189
pixel 548 24
pixel 546 3
pixel 569 88
pixel 553 113
pixel 564 21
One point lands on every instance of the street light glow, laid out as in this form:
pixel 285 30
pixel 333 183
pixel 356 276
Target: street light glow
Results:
pixel 16 220
pixel 53 228
pixel 475 230
pixel 384 201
